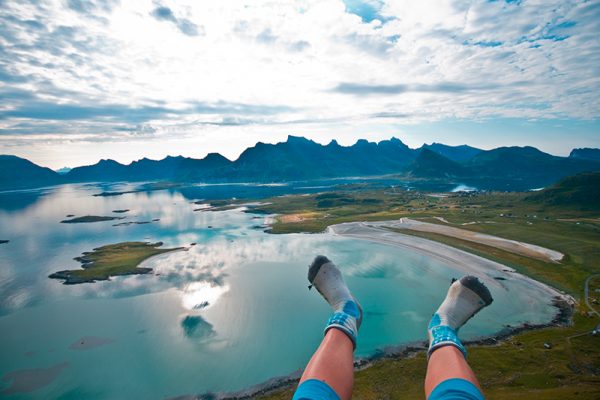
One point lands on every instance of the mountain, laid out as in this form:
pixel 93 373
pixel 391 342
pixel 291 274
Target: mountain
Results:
pixel 580 191
pixel 301 158
pixel 63 170
pixel 169 168
pixel 102 171
pixel 586 154
pixel 459 154
pixel 527 164
pixel 19 173
pixel 430 164
pixel 298 158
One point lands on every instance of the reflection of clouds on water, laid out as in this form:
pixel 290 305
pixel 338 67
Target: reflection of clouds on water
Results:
pixel 200 295
pixel 202 270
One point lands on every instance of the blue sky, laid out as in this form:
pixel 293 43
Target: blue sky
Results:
pixel 85 80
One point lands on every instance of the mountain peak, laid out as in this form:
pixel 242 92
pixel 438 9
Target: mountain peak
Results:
pixel 298 139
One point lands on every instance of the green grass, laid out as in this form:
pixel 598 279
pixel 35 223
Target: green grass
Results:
pixel 111 260
pixel 518 367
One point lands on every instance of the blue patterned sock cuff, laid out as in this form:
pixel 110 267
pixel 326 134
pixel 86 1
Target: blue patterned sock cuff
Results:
pixel 443 335
pixel 345 323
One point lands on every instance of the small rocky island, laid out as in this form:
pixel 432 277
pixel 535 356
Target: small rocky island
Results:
pixel 111 260
pixel 4 241
pixel 88 218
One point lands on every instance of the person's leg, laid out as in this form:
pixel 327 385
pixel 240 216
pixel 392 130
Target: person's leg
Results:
pixel 329 373
pixel 448 372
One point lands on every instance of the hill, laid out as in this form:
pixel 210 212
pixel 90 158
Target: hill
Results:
pixel 586 154
pixel 430 164
pixel 19 173
pixel 581 191
pixel 528 165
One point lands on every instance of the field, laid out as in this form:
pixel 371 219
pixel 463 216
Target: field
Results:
pixel 520 366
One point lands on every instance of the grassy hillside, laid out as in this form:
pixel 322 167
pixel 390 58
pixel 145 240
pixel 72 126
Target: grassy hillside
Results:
pixel 580 191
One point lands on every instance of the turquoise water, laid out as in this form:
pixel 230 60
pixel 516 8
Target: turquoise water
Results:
pixel 231 312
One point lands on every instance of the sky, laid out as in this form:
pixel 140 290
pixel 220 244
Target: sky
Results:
pixel 86 80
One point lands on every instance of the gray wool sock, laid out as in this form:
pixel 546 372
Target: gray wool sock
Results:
pixel 464 299
pixel 325 276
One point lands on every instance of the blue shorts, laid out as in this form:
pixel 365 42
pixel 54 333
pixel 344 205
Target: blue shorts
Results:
pixel 451 389
pixel 313 389
pixel 455 389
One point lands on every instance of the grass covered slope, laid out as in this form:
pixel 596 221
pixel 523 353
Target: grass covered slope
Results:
pixel 580 191
pixel 520 366
pixel 111 260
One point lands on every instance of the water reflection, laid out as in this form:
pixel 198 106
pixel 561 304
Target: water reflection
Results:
pixel 199 295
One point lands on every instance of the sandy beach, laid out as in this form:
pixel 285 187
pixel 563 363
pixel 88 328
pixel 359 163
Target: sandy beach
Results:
pixel 492 272
pixel 513 246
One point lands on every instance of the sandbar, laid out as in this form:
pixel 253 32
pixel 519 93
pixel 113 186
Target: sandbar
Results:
pixel 513 246
pixel 458 259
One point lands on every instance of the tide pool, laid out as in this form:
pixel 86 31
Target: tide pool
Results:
pixel 231 312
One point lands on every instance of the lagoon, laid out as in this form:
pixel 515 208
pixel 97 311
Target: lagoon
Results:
pixel 231 312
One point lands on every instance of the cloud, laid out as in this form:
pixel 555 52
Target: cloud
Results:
pixel 100 70
pixel 42 110
pixel 443 87
pixel 187 27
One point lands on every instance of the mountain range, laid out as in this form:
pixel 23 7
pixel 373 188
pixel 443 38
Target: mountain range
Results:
pixel 299 158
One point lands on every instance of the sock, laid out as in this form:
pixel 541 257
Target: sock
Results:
pixel 328 280
pixel 464 299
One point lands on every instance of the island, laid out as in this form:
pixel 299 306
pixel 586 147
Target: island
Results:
pixel 121 211
pixel 112 260
pixel 4 241
pixel 88 218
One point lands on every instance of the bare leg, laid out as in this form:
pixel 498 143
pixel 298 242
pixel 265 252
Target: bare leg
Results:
pixel 446 363
pixel 333 363
pixel 464 299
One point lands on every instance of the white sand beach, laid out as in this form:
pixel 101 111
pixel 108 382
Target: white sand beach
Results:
pixel 490 271
pixel 513 246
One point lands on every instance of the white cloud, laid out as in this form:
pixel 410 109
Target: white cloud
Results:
pixel 157 61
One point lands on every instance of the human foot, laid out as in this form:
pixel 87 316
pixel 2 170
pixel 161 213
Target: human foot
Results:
pixel 325 276
pixel 464 299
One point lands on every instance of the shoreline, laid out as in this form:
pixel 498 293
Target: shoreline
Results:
pixel 458 259
pixel 562 317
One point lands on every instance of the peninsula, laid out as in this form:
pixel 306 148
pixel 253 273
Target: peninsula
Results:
pixel 112 260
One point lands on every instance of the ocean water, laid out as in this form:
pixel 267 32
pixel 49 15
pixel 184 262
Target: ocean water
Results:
pixel 231 312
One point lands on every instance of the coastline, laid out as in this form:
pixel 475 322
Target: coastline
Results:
pixel 562 318
pixel 460 260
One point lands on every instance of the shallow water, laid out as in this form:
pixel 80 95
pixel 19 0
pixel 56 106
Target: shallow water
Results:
pixel 231 312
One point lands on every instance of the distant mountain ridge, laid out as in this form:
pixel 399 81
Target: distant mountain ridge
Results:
pixel 586 154
pixel 299 158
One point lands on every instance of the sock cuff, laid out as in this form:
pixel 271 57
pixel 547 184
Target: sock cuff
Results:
pixel 345 323
pixel 441 336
